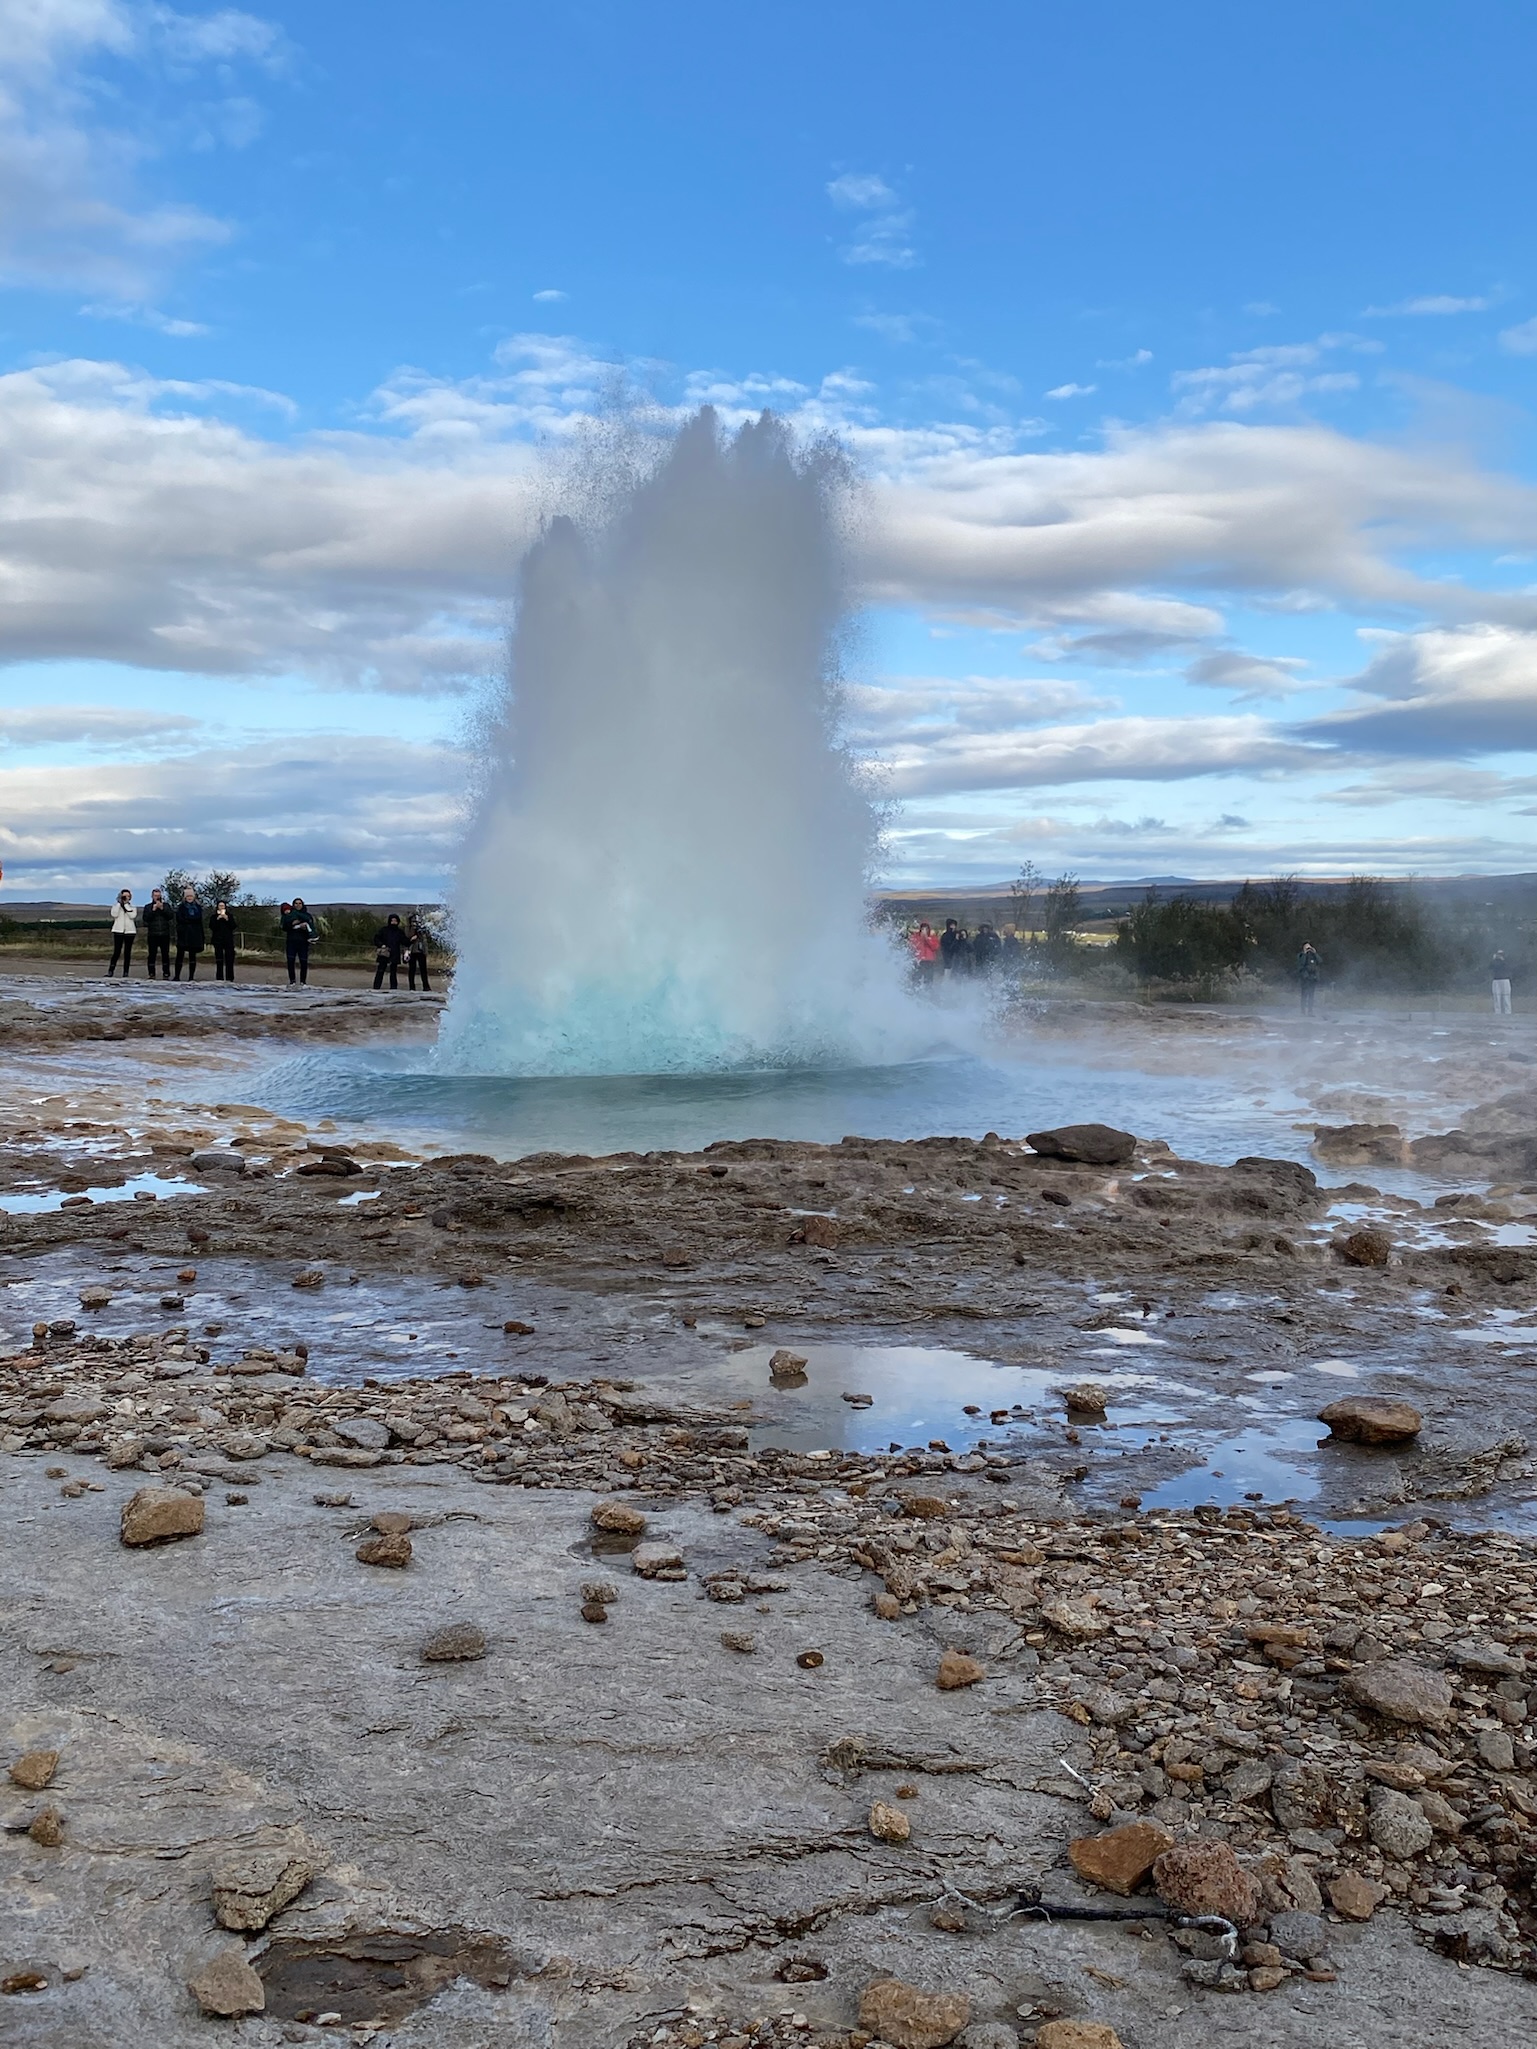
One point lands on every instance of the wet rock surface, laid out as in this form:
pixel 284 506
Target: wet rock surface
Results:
pixel 601 1835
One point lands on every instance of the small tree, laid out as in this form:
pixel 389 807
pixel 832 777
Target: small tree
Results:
pixel 1063 909
pixel 1023 891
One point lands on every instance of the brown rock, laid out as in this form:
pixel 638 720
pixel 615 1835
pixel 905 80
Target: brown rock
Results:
pixel 956 1669
pixel 787 1369
pixel 1074 1618
pixel 594 1611
pixel 887 1606
pixel 250 1886
pixel 1093 1145
pixel 888 1824
pixel 47 1828
pixel 739 1640
pixel 822 1231
pixel 910 2019
pixel 1365 1248
pixel 34 1769
pixel 1372 1419
pixel 1086 1399
pixel 454 1642
pixel 394 1549
pixel 228 1987
pixel 312 1277
pixel 658 1561
pixel 1206 1878
pixel 1120 1858
pixel 157 1515
pixel 25 1978
pixel 1404 1691
pixel 1355 1897
pixel 1267 1978
pixel 619 1518
pixel 926 1507
pixel 390 1522
pixel 1077 2035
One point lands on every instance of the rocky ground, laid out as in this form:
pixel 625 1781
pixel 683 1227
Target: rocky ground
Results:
pixel 491 1673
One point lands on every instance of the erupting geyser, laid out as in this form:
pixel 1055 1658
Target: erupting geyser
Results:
pixel 667 871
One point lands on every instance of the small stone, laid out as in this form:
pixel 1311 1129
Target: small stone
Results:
pixel 244 1444
pixel 949 1917
pixel 909 2019
pixel 1120 1858
pixel 618 1518
pixel 311 1277
pixel 363 1433
pixel 454 1642
pixel 218 1160
pixel 1248 1780
pixel 1086 1399
pixel 1398 1825
pixel 394 1550
pixel 888 1824
pixel 887 1606
pixel 159 1515
pixel 1354 1897
pixel 1077 2035
pixel 47 1828
pixel 228 1987
pixel 95 1296
pixel 25 1978
pixel 1496 1750
pixel 1206 1878
pixel 1365 1248
pixel 821 1231
pixel 658 1561
pixel 515 1328
pixel 1266 1977
pixel 1403 1690
pixel 810 1661
pixel 125 1453
pixel 956 1669
pixel 34 1770
pixel 786 1368
pixel 1074 1618
pixel 251 1886
pixel 601 1590
pixel 739 1640
pixel 1372 1419
pixel 926 1507
pixel 1299 1935
pixel 389 1522
pixel 594 1611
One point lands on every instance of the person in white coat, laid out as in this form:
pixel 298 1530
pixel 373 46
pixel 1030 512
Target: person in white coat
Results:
pixel 125 929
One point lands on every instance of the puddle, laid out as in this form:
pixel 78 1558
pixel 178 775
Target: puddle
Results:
pixel 363 1195
pixel 1259 1461
pixel 1337 1369
pixel 381 1977
pixel 141 1185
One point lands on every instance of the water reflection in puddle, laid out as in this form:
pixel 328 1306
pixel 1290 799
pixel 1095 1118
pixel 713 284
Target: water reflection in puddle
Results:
pixel 55 1198
pixel 1262 1461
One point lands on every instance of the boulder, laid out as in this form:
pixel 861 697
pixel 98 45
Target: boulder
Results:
pixel 1403 1690
pixel 1399 1826
pixel 159 1515
pixel 1206 1878
pixel 618 1518
pixel 909 2019
pixel 1120 1858
pixel 228 1987
pixel 1091 1145
pixel 1359 1145
pixel 251 1886
pixel 1077 2035
pixel 218 1160
pixel 1372 1419
pixel 1365 1247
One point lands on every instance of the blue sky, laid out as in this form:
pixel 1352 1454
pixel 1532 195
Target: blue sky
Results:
pixel 1188 354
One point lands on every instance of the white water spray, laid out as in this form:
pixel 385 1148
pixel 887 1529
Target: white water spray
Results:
pixel 668 868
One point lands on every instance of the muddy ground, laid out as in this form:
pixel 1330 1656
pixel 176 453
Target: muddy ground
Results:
pixel 610 1830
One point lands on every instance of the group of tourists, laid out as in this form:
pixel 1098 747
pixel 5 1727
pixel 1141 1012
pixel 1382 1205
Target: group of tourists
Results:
pixel 955 952
pixel 194 928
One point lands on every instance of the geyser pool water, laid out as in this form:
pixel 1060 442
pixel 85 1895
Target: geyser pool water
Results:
pixel 668 867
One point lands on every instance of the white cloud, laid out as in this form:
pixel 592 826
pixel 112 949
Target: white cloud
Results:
pixel 1249 677
pixel 1522 340
pixel 147 316
pixel 1442 694
pixel 549 297
pixel 1071 390
pixel 1434 305
pixel 883 226
pixel 71 211
pixel 1280 376
pixel 1114 749
pixel 1132 362
pixel 339 812
pixel 94 725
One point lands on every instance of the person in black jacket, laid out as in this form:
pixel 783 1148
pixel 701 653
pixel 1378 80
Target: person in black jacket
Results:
pixel 416 952
pixel 298 930
pixel 986 950
pixel 954 950
pixel 224 933
pixel 189 933
pixel 158 919
pixel 389 945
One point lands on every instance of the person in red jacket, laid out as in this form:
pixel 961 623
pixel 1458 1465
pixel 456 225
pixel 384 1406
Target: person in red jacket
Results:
pixel 925 950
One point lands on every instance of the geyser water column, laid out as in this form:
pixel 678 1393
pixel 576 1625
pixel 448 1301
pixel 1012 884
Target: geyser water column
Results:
pixel 667 869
